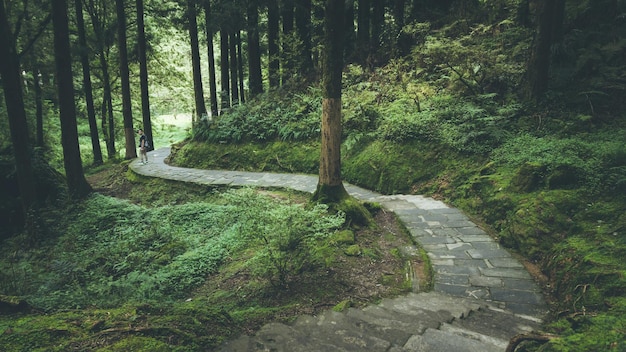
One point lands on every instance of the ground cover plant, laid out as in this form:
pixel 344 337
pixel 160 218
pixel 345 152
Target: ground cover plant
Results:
pixel 547 180
pixel 158 265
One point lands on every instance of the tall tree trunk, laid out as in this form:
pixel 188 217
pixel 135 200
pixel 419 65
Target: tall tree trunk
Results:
pixel 143 74
pixel 224 69
pixel 18 125
pixel 363 30
pixel 255 83
pixel 195 61
pixel 272 45
pixel 211 58
pixel 538 72
pixel 242 96
pixel 76 182
pixel 349 39
pixel 108 121
pixel 403 43
pixel 38 105
pixel 330 187
pixel 84 60
pixel 303 26
pixel 288 54
pixel 378 20
pixel 234 83
pixel 127 112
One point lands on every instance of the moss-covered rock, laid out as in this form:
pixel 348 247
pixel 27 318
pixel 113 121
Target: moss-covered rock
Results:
pixel 353 250
pixel 528 177
pixel 344 237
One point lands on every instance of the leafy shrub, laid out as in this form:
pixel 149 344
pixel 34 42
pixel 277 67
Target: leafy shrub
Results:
pixel 286 235
pixel 294 119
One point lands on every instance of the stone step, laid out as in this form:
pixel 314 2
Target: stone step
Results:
pixel 434 340
pixel 410 323
pixel 346 332
pixel 496 323
pixel 278 337
pixel 453 307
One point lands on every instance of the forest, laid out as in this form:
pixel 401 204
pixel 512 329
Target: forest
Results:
pixel 511 110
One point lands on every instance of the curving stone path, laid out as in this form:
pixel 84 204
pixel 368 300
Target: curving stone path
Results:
pixel 482 296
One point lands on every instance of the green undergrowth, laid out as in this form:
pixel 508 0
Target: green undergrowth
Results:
pixel 178 267
pixel 563 211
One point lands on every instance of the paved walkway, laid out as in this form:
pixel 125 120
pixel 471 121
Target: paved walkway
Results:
pixel 467 263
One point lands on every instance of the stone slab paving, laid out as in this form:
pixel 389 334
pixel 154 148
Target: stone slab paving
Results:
pixel 467 262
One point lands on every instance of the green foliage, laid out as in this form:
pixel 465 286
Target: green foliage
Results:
pixel 277 156
pixel 116 252
pixel 295 118
pixel 287 236
pixel 594 162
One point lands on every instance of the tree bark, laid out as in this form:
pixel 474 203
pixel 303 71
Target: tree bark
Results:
pixel 255 84
pixel 195 60
pixel 76 182
pixel 349 39
pixel 39 105
pixel 108 122
pixel 303 27
pixel 234 83
pixel 538 70
pixel 88 89
pixel 224 69
pixel 127 112
pixel 143 74
pixel 288 56
pixel 363 30
pixel 242 96
pixel 18 125
pixel 330 186
pixel 211 58
pixel 272 45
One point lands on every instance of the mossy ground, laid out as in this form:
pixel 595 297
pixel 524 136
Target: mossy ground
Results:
pixel 231 301
pixel 572 239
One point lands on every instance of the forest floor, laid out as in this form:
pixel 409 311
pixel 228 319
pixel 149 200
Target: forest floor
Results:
pixel 360 279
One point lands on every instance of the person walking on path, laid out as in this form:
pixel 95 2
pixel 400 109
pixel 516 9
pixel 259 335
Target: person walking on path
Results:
pixel 143 147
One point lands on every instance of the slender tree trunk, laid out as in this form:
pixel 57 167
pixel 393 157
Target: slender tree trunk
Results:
pixel 211 57
pixel 272 45
pixel 303 26
pixel 76 182
pixel 127 112
pixel 84 59
pixel 18 125
pixel 288 56
pixel 195 60
pixel 403 43
pixel 108 121
pixel 330 186
pixel 363 30
pixel 224 69
pixel 378 20
pixel 143 74
pixel 255 84
pixel 234 83
pixel 349 33
pixel 539 65
pixel 38 106
pixel 242 96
